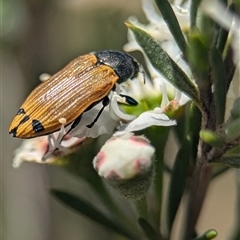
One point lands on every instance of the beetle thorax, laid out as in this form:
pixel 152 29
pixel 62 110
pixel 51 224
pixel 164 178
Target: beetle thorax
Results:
pixel 124 65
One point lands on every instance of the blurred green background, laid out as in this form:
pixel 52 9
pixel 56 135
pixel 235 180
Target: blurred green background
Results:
pixel 42 36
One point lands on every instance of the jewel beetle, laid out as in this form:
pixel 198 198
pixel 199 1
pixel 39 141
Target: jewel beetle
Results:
pixel 84 82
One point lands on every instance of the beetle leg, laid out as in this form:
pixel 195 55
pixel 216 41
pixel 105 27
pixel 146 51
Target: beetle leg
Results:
pixel 51 147
pixel 105 102
pixel 74 124
pixel 54 144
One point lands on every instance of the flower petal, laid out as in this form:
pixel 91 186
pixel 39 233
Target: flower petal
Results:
pixel 148 119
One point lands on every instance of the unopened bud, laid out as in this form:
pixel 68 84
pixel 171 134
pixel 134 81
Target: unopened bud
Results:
pixel 126 163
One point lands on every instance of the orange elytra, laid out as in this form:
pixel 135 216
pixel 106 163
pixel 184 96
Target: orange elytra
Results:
pixel 84 82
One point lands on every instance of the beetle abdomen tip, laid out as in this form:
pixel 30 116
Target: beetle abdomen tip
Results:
pixel 13 132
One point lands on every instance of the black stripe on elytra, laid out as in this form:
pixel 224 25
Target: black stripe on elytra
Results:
pixel 26 118
pixel 14 130
pixel 37 125
pixel 20 111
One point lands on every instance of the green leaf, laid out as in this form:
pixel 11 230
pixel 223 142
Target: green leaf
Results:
pixel 163 63
pixel 230 66
pixel 220 83
pixel 184 160
pixel 234 151
pixel 233 129
pixel 197 55
pixel 208 235
pixel 182 126
pixel 172 22
pixel 206 28
pixel 178 182
pixel 211 138
pixel 231 161
pixel 195 121
pixel 222 33
pixel 222 39
pixel 87 209
pixel 235 111
pixel 193 12
pixel 148 230
pixel 237 5
pixel 231 158
pixel 158 136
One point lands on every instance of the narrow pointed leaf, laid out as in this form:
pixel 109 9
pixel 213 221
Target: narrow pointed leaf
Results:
pixel 235 111
pixel 163 63
pixel 184 159
pixel 222 39
pixel 177 182
pixel 231 158
pixel 172 22
pixel 231 161
pixel 223 33
pixel 148 230
pixel 159 145
pixel 234 151
pixel 193 13
pixel 195 121
pixel 85 208
pixel 220 83
pixel 180 129
pixel 233 129
pixel 230 67
pixel 197 55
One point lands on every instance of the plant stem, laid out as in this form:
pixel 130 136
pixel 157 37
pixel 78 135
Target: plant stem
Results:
pixel 200 181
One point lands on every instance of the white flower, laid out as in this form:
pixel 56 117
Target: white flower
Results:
pixel 35 150
pixel 158 29
pixel 157 116
pixel 126 163
pixel 148 119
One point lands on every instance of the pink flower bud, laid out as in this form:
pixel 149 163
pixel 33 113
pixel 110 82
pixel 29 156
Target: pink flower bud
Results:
pixel 126 163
